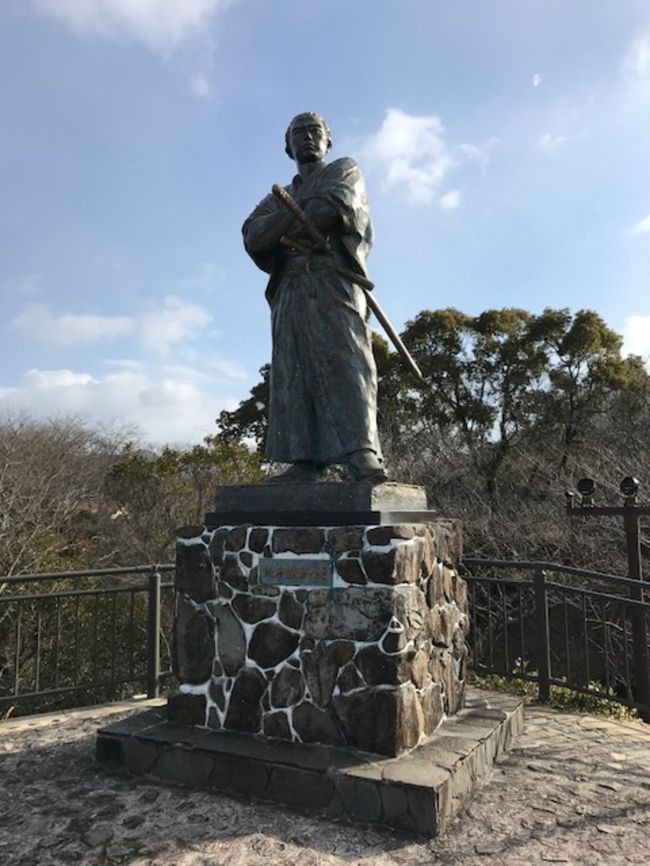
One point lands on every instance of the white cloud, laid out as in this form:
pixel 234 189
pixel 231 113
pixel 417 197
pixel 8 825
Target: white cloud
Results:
pixel 158 329
pixel 37 322
pixel 56 379
pixel 553 144
pixel 176 321
pixel 199 85
pixel 168 404
pixel 537 79
pixel 159 24
pixel 635 65
pixel 412 154
pixel 27 284
pixel 642 226
pixel 208 278
pixel 636 336
pixel 450 200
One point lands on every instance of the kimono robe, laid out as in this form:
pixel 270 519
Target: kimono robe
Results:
pixel 323 402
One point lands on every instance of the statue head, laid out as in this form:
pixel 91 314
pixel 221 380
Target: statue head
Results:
pixel 308 138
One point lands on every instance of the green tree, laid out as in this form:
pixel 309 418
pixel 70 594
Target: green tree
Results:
pixel 248 421
pixel 156 493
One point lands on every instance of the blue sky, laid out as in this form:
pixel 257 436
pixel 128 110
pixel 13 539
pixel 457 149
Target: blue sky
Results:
pixel 505 147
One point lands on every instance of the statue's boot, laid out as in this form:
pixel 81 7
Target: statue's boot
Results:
pixel 301 472
pixel 366 466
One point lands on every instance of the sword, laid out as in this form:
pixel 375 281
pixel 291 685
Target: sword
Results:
pixel 321 243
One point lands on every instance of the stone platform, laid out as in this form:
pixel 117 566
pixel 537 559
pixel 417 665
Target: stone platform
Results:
pixel 318 504
pixel 343 635
pixel 419 791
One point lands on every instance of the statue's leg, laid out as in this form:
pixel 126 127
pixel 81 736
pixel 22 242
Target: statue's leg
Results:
pixel 365 465
pixel 301 472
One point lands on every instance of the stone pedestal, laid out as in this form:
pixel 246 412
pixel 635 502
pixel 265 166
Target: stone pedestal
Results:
pixel 335 620
pixel 418 791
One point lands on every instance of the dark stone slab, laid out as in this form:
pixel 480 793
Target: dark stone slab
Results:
pixel 231 640
pixel 244 709
pixel 325 496
pixel 287 688
pixel 321 517
pixel 291 611
pixel 417 792
pixel 271 643
pixel 361 798
pixel 139 722
pixel 301 788
pixel 387 721
pixel 193 643
pixel 321 667
pixel 253 608
pixel 194 575
pixel 276 725
pixel 354 613
pixel 350 569
pixel 344 539
pixel 314 725
pixel 186 709
pixel 139 757
pixel 184 765
pixel 232 573
pixel 303 540
pixel 259 535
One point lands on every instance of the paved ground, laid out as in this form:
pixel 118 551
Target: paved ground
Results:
pixel 574 789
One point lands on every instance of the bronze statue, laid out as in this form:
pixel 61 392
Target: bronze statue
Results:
pixel 323 404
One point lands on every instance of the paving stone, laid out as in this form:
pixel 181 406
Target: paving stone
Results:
pixel 51 798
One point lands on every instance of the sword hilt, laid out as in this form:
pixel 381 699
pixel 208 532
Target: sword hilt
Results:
pixel 312 229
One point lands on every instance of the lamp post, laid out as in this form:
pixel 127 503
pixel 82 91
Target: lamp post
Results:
pixel 582 505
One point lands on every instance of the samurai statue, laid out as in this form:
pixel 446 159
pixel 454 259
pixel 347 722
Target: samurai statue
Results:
pixel 323 385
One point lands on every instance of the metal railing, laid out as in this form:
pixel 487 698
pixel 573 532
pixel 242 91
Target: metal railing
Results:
pixel 91 635
pixel 588 637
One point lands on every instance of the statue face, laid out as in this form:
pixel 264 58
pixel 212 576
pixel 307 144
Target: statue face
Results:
pixel 308 140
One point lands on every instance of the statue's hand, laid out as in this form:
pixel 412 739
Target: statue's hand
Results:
pixel 322 213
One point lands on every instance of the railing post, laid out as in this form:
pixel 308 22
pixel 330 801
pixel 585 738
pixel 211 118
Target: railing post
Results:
pixel 153 636
pixel 639 629
pixel 542 635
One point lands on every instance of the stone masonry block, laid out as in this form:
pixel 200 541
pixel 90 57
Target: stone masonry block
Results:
pixel 194 572
pixel 193 644
pixel 299 540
